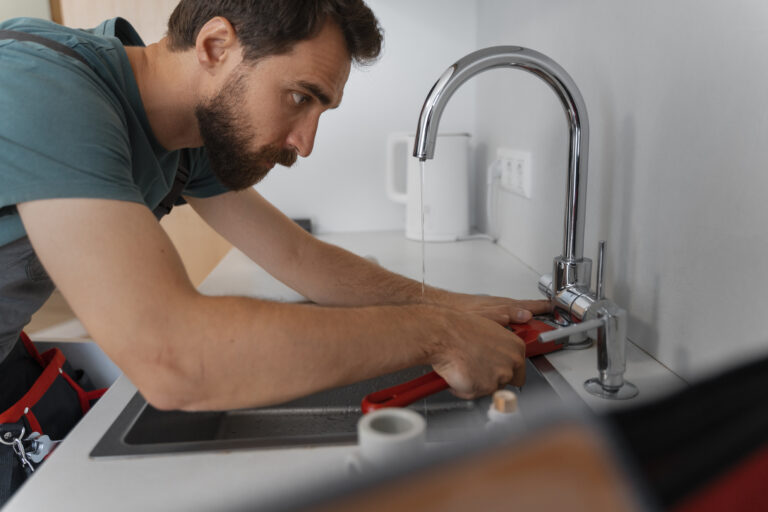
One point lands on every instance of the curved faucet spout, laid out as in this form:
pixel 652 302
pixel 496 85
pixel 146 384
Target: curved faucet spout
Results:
pixel 576 112
pixel 568 286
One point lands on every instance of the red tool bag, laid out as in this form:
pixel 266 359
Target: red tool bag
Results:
pixel 53 385
pixel 50 408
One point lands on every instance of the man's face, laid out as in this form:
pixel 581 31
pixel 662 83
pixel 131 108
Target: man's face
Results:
pixel 267 113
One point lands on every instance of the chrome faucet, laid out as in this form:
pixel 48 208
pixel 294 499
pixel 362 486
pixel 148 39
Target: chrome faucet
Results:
pixel 568 286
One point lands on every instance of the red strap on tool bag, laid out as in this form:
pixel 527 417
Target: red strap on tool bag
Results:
pixel 38 405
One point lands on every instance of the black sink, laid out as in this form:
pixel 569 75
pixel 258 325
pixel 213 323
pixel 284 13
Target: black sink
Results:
pixel 328 417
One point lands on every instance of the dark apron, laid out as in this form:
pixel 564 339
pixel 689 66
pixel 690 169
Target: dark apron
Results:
pixel 24 288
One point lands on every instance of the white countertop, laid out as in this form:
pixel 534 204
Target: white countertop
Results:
pixel 71 481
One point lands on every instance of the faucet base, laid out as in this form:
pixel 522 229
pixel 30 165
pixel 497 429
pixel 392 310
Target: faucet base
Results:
pixel 625 392
pixel 578 341
pixel 575 342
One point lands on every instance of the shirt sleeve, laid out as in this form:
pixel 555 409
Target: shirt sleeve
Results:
pixel 202 180
pixel 63 132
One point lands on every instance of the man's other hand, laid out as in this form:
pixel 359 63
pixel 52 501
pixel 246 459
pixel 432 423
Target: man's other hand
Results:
pixel 501 310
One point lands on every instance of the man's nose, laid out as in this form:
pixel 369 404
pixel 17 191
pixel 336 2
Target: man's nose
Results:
pixel 302 136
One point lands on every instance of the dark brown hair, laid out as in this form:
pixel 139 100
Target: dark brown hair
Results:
pixel 273 27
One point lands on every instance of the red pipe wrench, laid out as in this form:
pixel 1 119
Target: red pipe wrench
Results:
pixel 421 387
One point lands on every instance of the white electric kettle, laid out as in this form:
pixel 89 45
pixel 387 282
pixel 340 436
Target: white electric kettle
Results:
pixel 446 187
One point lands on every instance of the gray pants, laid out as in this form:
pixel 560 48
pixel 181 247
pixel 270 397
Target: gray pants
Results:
pixel 24 287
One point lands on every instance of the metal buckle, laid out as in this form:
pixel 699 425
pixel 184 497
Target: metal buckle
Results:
pixel 18 448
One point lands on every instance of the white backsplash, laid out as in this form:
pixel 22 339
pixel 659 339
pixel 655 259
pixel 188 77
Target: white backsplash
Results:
pixel 678 168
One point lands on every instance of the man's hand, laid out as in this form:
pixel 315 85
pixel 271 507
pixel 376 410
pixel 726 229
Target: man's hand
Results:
pixel 477 355
pixel 481 355
pixel 501 310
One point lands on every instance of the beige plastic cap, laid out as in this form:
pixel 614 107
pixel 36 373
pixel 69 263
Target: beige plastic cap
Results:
pixel 505 401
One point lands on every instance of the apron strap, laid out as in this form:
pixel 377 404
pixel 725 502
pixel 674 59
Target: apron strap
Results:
pixel 53 45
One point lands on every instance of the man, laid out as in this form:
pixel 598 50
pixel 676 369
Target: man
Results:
pixel 88 150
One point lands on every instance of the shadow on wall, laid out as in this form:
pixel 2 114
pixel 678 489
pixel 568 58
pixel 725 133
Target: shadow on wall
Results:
pixel 480 177
pixel 617 184
pixel 645 333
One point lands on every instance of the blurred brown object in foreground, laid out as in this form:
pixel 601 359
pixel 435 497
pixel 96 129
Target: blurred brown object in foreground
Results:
pixel 565 467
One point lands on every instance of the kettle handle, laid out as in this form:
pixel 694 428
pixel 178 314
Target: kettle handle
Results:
pixel 392 141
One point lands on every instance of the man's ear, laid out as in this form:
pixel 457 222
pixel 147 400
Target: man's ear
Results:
pixel 216 44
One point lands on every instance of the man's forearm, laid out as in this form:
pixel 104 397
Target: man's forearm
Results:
pixel 334 276
pixel 322 272
pixel 237 352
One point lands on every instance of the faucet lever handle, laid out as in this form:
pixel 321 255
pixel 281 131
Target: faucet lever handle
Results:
pixel 564 332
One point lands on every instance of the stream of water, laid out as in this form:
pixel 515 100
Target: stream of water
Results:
pixel 423 244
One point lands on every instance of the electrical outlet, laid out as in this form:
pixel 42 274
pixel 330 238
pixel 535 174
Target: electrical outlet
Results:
pixel 515 171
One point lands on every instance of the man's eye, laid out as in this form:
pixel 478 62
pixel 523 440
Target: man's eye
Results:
pixel 299 98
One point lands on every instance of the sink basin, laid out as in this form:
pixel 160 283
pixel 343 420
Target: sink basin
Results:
pixel 328 417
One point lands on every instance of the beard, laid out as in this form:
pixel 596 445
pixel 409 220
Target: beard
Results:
pixel 226 136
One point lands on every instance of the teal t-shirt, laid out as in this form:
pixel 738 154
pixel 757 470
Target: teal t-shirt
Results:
pixel 71 130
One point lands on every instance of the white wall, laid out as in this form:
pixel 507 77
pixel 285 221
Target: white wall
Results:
pixel 149 17
pixel 341 185
pixel 676 95
pixel 28 8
